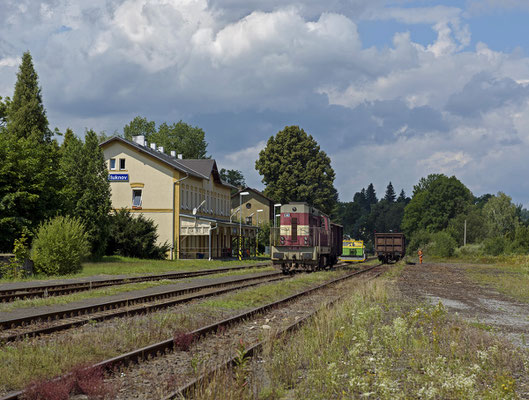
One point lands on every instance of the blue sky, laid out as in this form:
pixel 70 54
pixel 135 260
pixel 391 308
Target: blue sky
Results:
pixel 391 90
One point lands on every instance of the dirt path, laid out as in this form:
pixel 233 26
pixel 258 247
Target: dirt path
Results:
pixel 449 284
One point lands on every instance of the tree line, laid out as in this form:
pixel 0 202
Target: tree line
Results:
pixel 294 168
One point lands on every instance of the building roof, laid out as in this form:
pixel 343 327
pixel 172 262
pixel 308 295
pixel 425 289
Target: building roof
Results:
pixel 255 191
pixel 200 168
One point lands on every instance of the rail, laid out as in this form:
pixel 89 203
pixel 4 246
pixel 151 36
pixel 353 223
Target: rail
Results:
pixel 160 348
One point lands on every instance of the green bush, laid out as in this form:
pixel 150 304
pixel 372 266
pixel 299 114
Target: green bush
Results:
pixel 419 240
pixel 495 246
pixel 520 244
pixel 134 237
pixel 442 244
pixel 59 246
pixel 470 250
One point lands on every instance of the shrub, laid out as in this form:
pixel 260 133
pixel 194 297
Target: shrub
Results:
pixel 134 237
pixel 442 244
pixel 470 250
pixel 59 246
pixel 419 240
pixel 495 246
pixel 520 244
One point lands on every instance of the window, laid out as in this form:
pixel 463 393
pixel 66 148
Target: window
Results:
pixel 121 163
pixel 112 163
pixel 248 205
pixel 136 198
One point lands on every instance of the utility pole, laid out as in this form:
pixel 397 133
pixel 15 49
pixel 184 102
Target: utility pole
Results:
pixel 465 234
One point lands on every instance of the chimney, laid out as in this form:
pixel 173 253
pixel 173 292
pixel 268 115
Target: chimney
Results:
pixel 160 149
pixel 173 153
pixel 180 156
pixel 139 139
pixel 153 146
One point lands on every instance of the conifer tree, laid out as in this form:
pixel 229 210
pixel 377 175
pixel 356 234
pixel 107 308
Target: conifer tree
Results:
pixel 29 178
pixel 87 192
pixel 402 197
pixel 371 195
pixel 390 193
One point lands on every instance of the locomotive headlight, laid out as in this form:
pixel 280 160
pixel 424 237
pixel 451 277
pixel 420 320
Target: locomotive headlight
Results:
pixel 306 240
pixel 282 239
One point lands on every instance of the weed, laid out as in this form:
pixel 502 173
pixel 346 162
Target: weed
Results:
pixel 89 380
pixel 58 389
pixel 183 340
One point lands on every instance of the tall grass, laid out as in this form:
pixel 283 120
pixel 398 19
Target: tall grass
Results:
pixel 376 345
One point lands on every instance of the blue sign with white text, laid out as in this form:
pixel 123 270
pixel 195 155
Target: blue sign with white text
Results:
pixel 118 177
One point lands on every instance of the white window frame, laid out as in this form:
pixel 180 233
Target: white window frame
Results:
pixel 141 198
pixel 124 164
pixel 110 164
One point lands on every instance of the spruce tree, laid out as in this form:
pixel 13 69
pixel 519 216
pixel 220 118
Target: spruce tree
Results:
pixel 390 193
pixel 371 195
pixel 402 197
pixel 26 114
pixel 29 179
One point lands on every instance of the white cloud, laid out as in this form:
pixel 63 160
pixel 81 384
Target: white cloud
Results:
pixel 9 62
pixel 421 108
pixel 244 160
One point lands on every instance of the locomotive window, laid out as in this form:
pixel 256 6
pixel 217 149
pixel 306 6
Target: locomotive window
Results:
pixel 294 229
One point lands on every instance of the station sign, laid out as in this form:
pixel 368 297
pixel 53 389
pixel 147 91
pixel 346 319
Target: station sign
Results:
pixel 118 177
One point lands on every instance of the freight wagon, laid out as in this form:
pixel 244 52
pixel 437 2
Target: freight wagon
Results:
pixel 305 239
pixel 390 246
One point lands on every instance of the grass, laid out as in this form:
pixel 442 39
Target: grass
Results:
pixel 111 290
pixel 117 265
pixel 378 345
pixel 30 359
pixel 511 281
pixel 261 295
pixel 508 275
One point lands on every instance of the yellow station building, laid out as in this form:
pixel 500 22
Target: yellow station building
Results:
pixel 186 198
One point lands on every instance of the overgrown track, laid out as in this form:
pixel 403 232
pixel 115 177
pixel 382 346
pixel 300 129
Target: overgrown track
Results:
pixel 187 390
pixel 158 349
pixel 44 290
pixel 46 323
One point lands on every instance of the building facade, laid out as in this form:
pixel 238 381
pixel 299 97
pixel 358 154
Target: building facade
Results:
pixel 186 199
pixel 251 205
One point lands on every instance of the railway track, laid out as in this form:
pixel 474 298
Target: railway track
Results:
pixel 46 323
pixel 57 289
pixel 161 348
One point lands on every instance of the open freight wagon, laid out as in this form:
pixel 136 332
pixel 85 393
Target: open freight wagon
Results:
pixel 390 246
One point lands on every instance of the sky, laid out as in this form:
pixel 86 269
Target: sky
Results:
pixel 391 90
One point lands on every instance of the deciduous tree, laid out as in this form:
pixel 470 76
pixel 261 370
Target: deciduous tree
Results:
pixel 181 137
pixel 501 215
pixel 233 177
pixel 294 168
pixel 436 199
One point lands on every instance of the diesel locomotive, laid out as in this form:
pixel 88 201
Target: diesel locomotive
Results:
pixel 306 239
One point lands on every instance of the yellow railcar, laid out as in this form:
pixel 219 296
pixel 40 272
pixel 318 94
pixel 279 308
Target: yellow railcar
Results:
pixel 353 251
